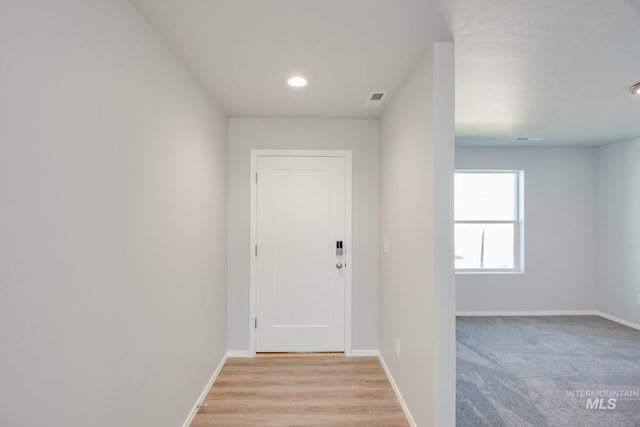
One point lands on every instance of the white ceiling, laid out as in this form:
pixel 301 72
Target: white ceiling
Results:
pixel 244 50
pixel 555 69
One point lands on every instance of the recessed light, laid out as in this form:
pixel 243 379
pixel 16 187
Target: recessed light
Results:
pixel 297 81
pixel 635 89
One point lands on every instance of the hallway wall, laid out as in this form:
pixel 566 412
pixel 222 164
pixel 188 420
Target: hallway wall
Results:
pixel 360 136
pixel 113 307
pixel 417 298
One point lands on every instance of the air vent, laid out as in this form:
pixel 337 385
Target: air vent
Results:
pixel 375 99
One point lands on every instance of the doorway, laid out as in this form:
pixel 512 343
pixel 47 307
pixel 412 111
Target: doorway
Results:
pixel 300 280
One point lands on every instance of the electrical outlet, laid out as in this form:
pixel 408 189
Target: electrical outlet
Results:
pixel 397 347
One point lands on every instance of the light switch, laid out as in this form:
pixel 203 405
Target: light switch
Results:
pixel 386 246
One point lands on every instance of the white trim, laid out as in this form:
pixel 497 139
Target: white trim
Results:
pixel 396 390
pixel 518 223
pixel 364 353
pixel 549 313
pixel 618 320
pixel 528 313
pixel 347 155
pixel 206 390
pixel 253 304
pixel 348 251
pixel 239 354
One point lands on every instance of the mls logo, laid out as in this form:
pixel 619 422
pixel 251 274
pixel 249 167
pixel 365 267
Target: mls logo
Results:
pixel 601 404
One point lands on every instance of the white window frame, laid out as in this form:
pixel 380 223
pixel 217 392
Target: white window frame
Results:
pixel 518 225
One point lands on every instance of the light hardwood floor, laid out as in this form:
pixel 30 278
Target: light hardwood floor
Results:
pixel 302 391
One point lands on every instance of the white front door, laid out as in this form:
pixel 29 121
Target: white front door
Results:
pixel 300 278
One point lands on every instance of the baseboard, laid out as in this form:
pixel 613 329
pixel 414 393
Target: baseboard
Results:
pixel 354 353
pixel 365 353
pixel 549 313
pixel 528 313
pixel 396 390
pixel 618 320
pixel 204 393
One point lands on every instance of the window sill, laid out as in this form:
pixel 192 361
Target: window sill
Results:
pixel 486 272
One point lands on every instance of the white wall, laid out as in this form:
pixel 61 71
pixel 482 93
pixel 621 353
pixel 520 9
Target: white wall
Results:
pixel 416 276
pixel 619 230
pixel 112 221
pixel 360 136
pixel 559 232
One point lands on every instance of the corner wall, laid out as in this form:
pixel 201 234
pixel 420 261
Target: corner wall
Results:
pixel 560 226
pixel 112 223
pixel 619 230
pixel 416 205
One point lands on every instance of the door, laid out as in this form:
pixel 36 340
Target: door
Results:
pixel 301 219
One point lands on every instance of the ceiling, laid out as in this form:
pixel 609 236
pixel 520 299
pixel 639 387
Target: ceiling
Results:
pixel 549 69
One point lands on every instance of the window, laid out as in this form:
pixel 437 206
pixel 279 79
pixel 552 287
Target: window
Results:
pixel 488 221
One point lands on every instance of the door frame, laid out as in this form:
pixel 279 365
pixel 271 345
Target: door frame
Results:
pixel 253 283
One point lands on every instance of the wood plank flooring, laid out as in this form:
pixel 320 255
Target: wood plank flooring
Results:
pixel 302 391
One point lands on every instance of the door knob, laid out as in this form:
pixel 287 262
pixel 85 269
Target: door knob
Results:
pixel 339 265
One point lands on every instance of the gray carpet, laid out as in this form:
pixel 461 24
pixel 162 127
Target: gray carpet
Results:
pixel 547 371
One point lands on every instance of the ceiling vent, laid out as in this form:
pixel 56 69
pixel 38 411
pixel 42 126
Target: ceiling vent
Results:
pixel 375 99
